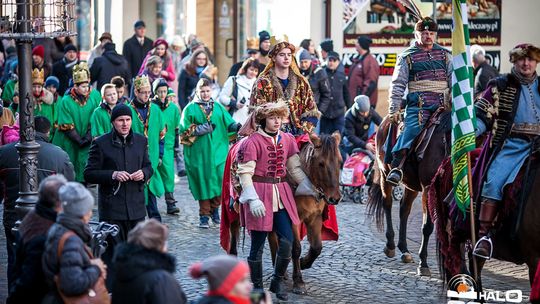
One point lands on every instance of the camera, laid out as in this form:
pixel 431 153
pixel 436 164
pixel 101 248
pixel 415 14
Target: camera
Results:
pixel 243 100
pixel 257 296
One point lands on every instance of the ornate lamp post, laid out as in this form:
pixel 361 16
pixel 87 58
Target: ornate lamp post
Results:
pixel 24 21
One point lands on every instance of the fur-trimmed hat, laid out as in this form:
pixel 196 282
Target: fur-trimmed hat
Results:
pixel 278 108
pixel 222 273
pixel 426 23
pixel 524 50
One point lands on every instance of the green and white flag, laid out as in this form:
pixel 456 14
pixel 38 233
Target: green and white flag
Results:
pixel 463 116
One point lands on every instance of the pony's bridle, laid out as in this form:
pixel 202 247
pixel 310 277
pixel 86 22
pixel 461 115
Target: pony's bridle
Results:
pixel 320 193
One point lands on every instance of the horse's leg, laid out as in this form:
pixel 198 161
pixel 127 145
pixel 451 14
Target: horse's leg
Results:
pixel 299 287
pixel 315 242
pixel 234 231
pixel 404 211
pixel 390 248
pixel 427 229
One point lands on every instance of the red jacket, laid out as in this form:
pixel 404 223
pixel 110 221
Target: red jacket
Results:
pixel 363 78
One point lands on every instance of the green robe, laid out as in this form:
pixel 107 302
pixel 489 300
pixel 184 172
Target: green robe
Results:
pixel 154 131
pixel 171 118
pixel 9 89
pixel 101 121
pixel 48 111
pixel 205 158
pixel 73 114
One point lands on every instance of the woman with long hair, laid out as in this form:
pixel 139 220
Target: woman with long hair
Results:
pixel 190 76
pixel 161 49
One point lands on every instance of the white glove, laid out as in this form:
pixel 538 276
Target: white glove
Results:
pixel 306 189
pixel 248 194
pixel 257 208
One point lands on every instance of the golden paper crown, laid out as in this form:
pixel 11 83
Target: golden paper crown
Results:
pixel 277 44
pixel 275 40
pixel 38 76
pixel 81 73
pixel 141 81
pixel 253 43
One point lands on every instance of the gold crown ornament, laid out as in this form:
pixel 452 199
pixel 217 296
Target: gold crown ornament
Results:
pixel 81 73
pixel 141 81
pixel 279 43
pixel 38 76
pixel 252 43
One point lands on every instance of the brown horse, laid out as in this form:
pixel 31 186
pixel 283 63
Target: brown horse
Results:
pixel 417 176
pixel 321 162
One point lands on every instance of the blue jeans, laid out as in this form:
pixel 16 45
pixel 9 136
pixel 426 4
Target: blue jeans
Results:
pixel 282 225
pixel 151 207
pixel 330 125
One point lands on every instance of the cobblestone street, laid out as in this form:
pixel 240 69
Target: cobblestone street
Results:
pixel 351 270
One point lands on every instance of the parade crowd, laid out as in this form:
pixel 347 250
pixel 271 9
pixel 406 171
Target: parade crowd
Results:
pixel 136 122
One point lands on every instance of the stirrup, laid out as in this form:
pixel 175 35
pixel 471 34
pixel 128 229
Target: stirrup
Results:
pixel 484 239
pixel 395 184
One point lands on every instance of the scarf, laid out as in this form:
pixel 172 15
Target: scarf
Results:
pixel 46 212
pixel 81 99
pixel 76 225
pixel 522 79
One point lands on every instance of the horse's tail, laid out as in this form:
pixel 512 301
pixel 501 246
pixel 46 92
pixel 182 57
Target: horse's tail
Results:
pixel 375 203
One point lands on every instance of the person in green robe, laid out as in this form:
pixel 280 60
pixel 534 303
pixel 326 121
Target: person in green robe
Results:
pixel 51 84
pixel 43 99
pixel 171 118
pixel 74 112
pixel 14 105
pixel 148 121
pixel 100 121
pixel 205 127
pixel 9 88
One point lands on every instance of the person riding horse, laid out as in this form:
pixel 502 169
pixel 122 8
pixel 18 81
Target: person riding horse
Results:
pixel 425 70
pixel 509 109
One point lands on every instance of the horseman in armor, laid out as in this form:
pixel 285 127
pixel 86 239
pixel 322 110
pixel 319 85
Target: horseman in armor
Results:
pixel 425 70
pixel 509 109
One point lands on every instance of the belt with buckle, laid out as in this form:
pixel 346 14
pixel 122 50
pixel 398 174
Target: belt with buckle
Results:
pixel 268 180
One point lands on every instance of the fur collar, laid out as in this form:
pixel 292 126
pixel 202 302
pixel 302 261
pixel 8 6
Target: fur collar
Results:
pixel 288 94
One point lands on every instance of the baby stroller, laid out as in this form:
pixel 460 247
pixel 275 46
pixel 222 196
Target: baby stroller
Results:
pixel 356 175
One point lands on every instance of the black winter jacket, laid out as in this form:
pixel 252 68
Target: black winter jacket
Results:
pixel 340 99
pixel 28 286
pixel 318 81
pixel 135 53
pixel 186 85
pixel 357 126
pixel 145 276
pixel 109 153
pixel 109 65
pixel 74 269
pixel 64 75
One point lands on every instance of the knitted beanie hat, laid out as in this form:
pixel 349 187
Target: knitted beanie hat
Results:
pixel 222 272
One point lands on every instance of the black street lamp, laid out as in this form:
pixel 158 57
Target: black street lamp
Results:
pixel 24 21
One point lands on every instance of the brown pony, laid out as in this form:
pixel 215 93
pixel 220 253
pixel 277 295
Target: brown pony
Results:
pixel 417 176
pixel 321 162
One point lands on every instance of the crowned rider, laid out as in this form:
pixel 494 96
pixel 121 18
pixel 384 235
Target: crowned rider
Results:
pixel 509 109
pixel 425 70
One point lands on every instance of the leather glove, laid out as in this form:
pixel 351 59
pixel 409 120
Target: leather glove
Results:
pixel 306 188
pixel 74 136
pixel 234 127
pixel 86 140
pixel 257 208
pixel 203 129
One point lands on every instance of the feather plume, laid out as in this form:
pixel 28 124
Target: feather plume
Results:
pixel 412 8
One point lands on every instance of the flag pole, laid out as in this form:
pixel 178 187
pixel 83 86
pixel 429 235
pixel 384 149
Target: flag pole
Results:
pixel 472 217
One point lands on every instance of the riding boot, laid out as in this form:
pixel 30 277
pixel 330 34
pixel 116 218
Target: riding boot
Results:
pixel 488 212
pixel 282 262
pixel 171 203
pixel 255 268
pixel 396 175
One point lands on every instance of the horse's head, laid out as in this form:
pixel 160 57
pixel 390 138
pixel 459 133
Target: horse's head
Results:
pixel 324 165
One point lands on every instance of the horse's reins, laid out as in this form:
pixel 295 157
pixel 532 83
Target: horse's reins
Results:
pixel 310 150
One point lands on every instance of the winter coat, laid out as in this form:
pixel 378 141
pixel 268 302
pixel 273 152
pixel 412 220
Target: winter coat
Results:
pixel 28 286
pixel 109 153
pixel 243 92
pixel 75 272
pixel 186 85
pixel 145 276
pixel 107 66
pixel 51 160
pixel 340 99
pixel 364 77
pixel 63 74
pixel 318 81
pixel 134 52
pixel 357 126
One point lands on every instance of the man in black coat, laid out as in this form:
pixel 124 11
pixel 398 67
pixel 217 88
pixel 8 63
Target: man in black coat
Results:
pixel 483 71
pixel 358 120
pixel 318 80
pixel 51 160
pixel 118 162
pixel 333 115
pixel 62 69
pixel 136 47
pixel 28 274
pixel 109 65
